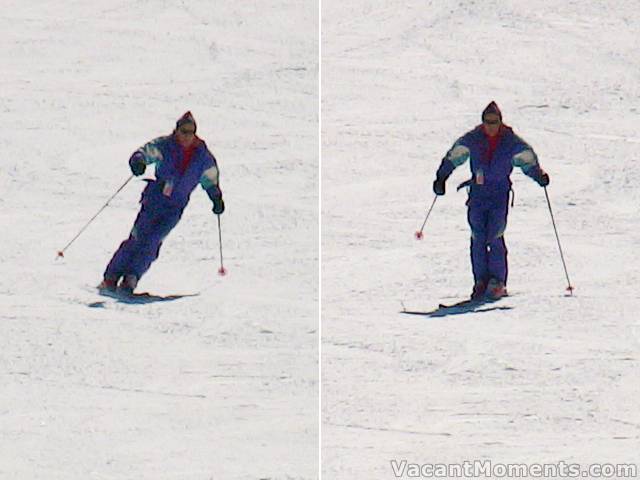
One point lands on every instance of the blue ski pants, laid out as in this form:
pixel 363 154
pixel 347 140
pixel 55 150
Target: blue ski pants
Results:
pixel 487 216
pixel 153 223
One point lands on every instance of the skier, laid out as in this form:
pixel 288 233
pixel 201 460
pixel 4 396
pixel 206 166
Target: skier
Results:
pixel 182 160
pixel 493 149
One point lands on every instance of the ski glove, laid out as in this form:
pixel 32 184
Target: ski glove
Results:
pixel 544 180
pixel 137 165
pixel 438 186
pixel 215 194
pixel 218 206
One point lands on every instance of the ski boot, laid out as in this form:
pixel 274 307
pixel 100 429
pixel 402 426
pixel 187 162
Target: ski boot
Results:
pixel 128 284
pixel 495 289
pixel 479 290
pixel 108 284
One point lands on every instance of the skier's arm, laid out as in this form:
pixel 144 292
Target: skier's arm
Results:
pixel 527 160
pixel 146 155
pixel 456 156
pixel 210 182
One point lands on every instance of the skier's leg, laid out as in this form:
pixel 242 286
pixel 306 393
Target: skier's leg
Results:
pixel 477 217
pixel 149 244
pixel 120 262
pixel 497 223
pixel 117 265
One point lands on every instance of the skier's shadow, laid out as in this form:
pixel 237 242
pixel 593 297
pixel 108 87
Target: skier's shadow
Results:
pixel 458 310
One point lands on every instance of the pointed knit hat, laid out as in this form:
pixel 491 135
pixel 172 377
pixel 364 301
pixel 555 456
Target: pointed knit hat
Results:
pixel 186 118
pixel 492 108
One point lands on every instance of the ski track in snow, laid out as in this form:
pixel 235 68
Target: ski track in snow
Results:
pixel 222 385
pixel 553 378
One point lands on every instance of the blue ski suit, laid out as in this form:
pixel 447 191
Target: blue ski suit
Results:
pixel 178 171
pixel 489 189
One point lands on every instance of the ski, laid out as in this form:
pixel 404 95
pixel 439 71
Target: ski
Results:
pixel 137 298
pixel 464 306
pixel 463 303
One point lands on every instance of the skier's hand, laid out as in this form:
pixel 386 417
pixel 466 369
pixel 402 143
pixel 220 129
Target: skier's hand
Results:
pixel 215 194
pixel 137 165
pixel 438 186
pixel 218 205
pixel 544 179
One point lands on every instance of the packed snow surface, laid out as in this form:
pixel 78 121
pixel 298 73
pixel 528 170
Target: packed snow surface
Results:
pixel 538 377
pixel 222 385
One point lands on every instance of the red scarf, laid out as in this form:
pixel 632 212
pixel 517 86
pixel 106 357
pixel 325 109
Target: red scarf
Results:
pixel 187 154
pixel 493 143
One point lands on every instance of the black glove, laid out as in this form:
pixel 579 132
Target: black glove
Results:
pixel 544 180
pixel 215 194
pixel 218 205
pixel 438 186
pixel 137 165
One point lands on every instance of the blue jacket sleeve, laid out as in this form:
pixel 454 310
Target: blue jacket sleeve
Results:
pixel 457 155
pixel 210 179
pixel 526 159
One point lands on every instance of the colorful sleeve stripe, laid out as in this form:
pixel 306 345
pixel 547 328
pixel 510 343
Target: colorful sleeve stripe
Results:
pixel 209 177
pixel 526 160
pixel 152 152
pixel 458 155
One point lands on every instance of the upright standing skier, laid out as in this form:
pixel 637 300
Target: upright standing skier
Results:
pixel 493 149
pixel 182 160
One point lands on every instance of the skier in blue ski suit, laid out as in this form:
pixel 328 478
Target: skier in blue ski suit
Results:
pixel 182 160
pixel 493 150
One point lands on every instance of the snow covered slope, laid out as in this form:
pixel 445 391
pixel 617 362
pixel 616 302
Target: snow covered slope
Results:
pixel 550 378
pixel 218 386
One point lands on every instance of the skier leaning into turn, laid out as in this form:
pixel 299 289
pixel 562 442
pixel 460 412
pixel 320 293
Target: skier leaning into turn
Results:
pixel 182 160
pixel 493 150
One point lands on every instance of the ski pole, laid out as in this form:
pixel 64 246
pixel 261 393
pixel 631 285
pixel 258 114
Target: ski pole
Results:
pixel 221 270
pixel 418 234
pixel 61 252
pixel 569 286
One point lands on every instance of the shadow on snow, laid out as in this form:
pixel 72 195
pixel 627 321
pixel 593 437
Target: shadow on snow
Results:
pixel 461 308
